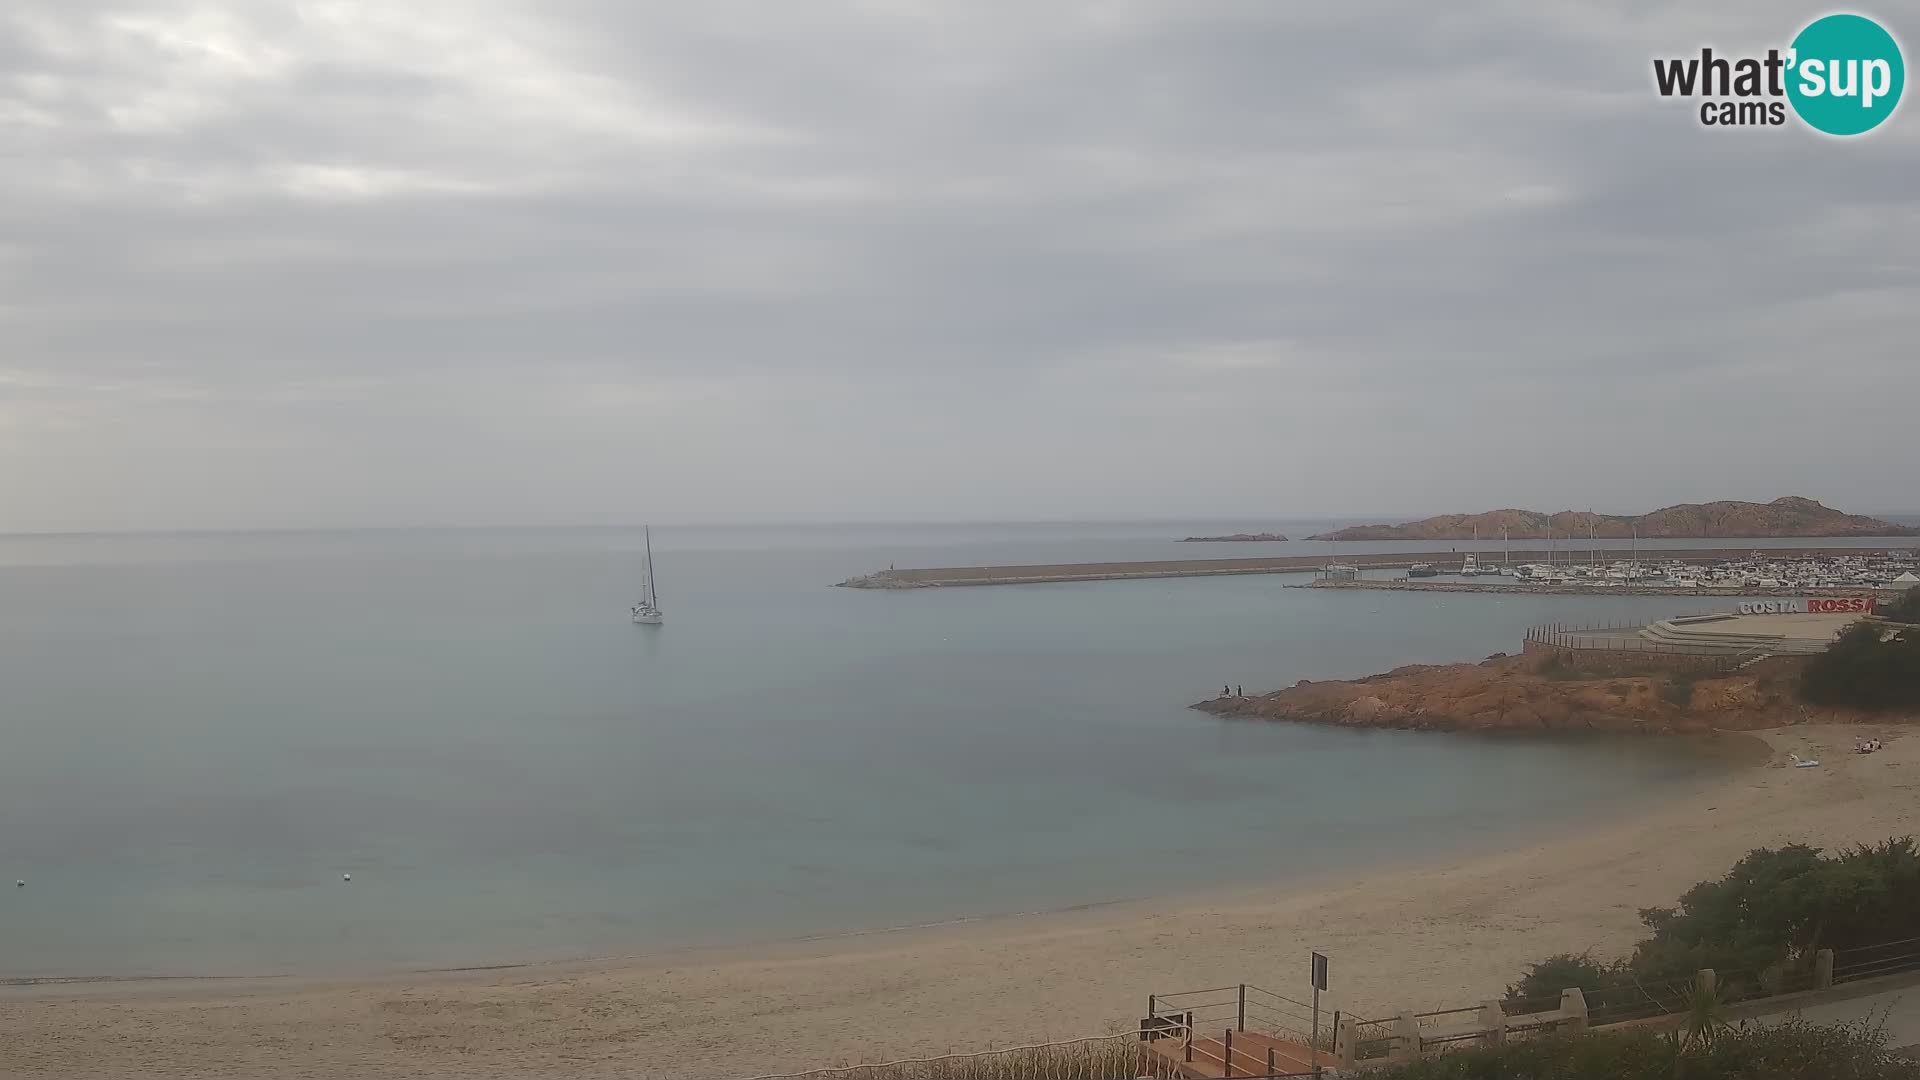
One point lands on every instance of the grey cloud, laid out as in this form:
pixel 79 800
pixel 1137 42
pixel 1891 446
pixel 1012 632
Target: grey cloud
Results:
pixel 501 247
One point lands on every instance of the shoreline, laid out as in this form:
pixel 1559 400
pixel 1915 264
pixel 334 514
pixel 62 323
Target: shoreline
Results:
pixel 1456 928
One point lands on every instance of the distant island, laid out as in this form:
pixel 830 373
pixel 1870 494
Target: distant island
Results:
pixel 1789 516
pixel 1236 538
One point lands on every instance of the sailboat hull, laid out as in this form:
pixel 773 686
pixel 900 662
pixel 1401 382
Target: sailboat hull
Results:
pixel 647 618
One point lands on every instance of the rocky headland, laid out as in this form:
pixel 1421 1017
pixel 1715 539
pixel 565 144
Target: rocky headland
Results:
pixel 1536 694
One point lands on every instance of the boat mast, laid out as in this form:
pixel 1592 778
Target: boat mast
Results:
pixel 653 590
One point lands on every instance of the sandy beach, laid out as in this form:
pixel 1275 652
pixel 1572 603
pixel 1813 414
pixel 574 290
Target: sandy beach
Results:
pixel 1413 935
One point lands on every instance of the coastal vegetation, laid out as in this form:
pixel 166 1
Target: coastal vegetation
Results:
pixel 1787 1050
pixel 1759 927
pixel 1872 667
pixel 1790 1049
pixel 1905 608
pixel 1788 516
pixel 1115 1057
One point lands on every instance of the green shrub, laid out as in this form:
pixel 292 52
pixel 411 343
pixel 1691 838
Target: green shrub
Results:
pixel 1758 925
pixel 1780 905
pixel 1906 608
pixel 1563 971
pixel 1789 1050
pixel 1871 666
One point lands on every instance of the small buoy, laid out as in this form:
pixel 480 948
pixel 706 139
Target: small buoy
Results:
pixel 346 877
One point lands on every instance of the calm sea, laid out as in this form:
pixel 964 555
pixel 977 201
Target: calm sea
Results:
pixel 203 733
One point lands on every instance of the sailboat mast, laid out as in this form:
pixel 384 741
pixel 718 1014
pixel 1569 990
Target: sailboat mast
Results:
pixel 653 588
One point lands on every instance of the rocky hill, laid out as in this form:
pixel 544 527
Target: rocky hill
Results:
pixel 1789 516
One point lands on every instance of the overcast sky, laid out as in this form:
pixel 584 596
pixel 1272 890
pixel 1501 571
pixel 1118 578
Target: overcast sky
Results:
pixel 549 261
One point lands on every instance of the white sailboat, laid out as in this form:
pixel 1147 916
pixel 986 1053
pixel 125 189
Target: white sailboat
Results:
pixel 647 611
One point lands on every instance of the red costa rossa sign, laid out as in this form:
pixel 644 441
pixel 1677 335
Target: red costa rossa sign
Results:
pixel 1833 604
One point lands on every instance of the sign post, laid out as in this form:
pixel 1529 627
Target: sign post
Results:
pixel 1319 984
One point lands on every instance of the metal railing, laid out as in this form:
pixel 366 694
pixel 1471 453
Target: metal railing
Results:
pixel 1527 1006
pixel 1437 1013
pixel 1237 1063
pixel 1241 1014
pixel 1867 961
pixel 1242 1007
pixel 1234 1061
pixel 1370 1039
pixel 1637 1000
pixel 1666 997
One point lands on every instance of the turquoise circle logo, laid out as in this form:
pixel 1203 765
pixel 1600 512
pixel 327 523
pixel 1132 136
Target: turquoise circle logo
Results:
pixel 1846 74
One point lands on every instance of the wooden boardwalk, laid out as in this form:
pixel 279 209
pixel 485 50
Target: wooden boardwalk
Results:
pixel 1249 1057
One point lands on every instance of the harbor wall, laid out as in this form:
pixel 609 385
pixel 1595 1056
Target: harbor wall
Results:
pixel 1625 660
pixel 1621 650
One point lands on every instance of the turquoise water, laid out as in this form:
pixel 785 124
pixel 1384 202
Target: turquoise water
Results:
pixel 203 733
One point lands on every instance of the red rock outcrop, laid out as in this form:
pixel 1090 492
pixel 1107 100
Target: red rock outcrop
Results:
pixel 1517 694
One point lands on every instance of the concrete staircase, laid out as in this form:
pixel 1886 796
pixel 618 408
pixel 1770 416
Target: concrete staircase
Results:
pixel 1697 638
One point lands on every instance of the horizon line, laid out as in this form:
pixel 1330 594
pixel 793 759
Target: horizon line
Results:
pixel 775 523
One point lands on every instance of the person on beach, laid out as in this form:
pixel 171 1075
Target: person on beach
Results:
pixel 1225 690
pixel 1239 691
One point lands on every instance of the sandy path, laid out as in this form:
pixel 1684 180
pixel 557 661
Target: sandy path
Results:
pixel 1415 936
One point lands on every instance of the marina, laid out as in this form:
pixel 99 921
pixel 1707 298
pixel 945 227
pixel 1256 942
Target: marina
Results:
pixel 1510 587
pixel 1667 571
pixel 1759 574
